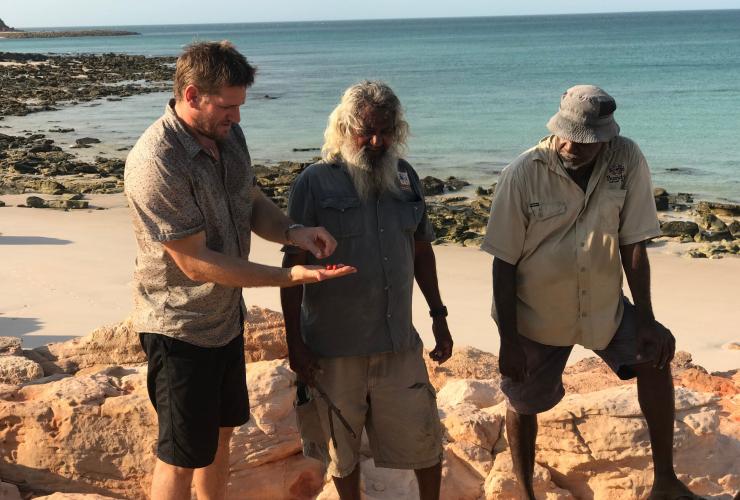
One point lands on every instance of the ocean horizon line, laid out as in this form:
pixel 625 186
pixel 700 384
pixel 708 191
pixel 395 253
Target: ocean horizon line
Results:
pixel 379 19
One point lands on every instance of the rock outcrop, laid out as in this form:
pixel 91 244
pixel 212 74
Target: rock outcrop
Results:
pixel 87 430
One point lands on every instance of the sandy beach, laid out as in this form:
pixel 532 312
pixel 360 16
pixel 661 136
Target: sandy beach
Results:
pixel 66 273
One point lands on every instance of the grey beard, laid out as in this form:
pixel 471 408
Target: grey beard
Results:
pixel 372 178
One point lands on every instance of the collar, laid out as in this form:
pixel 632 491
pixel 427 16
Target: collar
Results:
pixel 190 143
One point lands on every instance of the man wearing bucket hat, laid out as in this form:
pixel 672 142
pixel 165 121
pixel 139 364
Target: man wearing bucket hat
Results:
pixel 567 217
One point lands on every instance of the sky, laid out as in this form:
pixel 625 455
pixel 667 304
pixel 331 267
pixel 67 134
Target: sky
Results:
pixel 52 13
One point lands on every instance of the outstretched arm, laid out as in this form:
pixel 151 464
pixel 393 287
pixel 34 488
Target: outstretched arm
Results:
pixel 425 272
pixel 200 263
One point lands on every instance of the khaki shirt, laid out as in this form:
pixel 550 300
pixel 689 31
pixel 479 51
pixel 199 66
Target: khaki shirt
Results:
pixel 176 189
pixel 368 312
pixel 565 243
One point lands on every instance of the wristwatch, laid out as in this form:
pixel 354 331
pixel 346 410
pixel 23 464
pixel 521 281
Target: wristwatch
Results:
pixel 287 230
pixel 438 312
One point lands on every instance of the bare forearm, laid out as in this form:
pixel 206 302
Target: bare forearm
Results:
pixel 215 267
pixel 637 269
pixel 504 296
pixel 268 221
pixel 425 272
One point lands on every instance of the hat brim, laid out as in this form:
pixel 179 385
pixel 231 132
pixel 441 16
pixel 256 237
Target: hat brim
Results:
pixel 580 132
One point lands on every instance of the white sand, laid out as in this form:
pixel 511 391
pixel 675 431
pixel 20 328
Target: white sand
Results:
pixel 63 274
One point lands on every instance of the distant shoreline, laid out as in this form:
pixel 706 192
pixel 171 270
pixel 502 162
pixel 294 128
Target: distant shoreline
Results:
pixel 64 34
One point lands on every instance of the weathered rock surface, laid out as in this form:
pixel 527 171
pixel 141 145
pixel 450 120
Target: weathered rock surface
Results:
pixel 10 346
pixel 89 429
pixel 18 370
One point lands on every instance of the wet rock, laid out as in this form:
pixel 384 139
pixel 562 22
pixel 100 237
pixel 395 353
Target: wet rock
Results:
pixel 67 204
pixel 661 199
pixel 35 202
pixel 84 141
pixel 455 184
pixel 60 130
pixel 734 228
pixel 676 228
pixel 724 209
pixel 432 186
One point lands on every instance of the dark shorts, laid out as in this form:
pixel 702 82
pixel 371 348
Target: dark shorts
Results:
pixel 543 387
pixel 195 391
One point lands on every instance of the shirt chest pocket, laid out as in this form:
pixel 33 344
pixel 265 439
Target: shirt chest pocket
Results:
pixel 341 216
pixel 410 214
pixel 610 208
pixel 543 210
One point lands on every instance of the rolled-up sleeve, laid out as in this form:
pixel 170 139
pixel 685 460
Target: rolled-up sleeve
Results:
pixel 162 200
pixel 507 224
pixel 638 219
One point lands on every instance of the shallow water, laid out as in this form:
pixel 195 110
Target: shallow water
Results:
pixel 478 91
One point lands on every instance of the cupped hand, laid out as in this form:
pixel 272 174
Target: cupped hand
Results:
pixel 300 275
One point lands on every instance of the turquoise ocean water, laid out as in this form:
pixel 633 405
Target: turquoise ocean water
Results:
pixel 478 91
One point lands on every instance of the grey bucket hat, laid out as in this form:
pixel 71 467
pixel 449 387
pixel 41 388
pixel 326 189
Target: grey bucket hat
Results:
pixel 586 115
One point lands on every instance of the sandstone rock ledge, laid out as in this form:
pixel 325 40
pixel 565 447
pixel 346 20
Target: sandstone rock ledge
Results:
pixel 87 429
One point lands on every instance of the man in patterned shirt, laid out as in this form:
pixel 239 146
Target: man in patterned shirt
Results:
pixel 194 201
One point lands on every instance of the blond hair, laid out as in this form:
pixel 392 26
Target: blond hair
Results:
pixel 346 118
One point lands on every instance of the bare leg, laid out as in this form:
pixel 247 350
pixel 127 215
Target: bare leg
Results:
pixel 521 431
pixel 170 482
pixel 429 480
pixel 210 482
pixel 655 393
pixel 348 487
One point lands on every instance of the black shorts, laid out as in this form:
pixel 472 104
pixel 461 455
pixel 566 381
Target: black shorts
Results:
pixel 195 391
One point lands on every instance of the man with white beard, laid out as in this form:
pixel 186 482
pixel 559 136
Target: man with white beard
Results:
pixel 358 358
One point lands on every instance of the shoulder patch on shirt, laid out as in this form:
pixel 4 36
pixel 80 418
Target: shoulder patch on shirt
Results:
pixel 615 174
pixel 403 178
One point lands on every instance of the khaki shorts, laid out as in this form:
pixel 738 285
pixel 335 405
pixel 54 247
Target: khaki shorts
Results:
pixel 542 389
pixel 387 394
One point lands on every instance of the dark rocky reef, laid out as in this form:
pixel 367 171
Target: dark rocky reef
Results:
pixel 43 82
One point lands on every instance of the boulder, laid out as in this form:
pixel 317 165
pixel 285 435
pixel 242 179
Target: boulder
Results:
pixel 432 186
pixel 724 209
pixel 35 202
pixel 2 203
pixel 679 228
pixel 734 228
pixel 10 346
pixel 84 141
pixel 17 370
pixel 108 345
pixel 661 199
pixel 264 335
pixel 455 184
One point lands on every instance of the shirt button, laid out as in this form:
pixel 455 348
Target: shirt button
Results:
pixel 583 269
pixel 583 244
pixel 386 288
pixel 385 258
pixel 584 315
pixel 382 230
pixel 389 315
pixel 583 292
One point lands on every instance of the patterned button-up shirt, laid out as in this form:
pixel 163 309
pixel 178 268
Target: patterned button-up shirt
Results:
pixel 175 188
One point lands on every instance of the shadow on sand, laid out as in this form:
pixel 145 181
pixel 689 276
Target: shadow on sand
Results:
pixel 31 240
